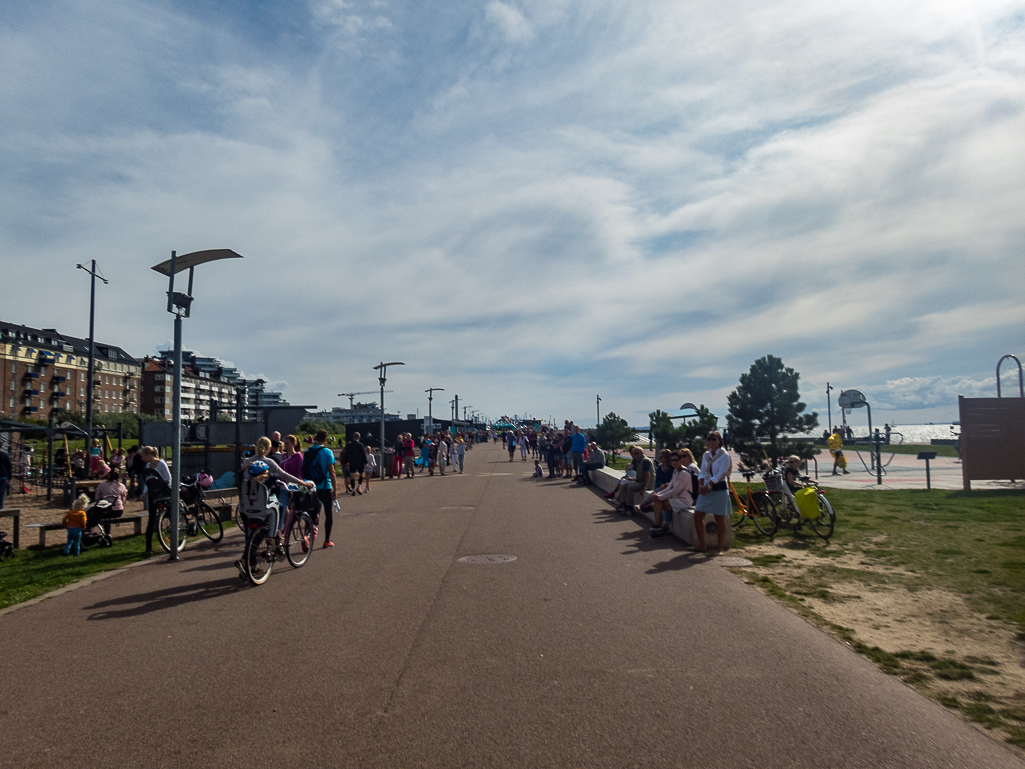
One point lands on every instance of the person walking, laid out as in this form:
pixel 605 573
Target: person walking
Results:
pixel 158 488
pixel 460 457
pixel 835 443
pixel 408 450
pixel 442 455
pixel 319 467
pixel 356 459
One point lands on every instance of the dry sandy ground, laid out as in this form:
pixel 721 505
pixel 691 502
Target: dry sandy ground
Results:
pixel 894 619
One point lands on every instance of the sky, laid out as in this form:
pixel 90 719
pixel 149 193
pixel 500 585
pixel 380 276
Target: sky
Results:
pixel 530 203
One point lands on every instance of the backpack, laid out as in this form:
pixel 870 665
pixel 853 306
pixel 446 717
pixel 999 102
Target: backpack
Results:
pixel 312 469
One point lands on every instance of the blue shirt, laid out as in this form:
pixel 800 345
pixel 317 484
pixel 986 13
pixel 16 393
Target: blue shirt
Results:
pixel 322 465
pixel 579 445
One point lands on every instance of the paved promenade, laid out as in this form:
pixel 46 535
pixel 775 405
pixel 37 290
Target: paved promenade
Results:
pixel 596 647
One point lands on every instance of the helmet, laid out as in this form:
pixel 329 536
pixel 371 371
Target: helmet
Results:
pixel 258 468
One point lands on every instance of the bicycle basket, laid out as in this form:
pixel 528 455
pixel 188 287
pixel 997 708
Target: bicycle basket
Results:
pixel 773 484
pixel 807 502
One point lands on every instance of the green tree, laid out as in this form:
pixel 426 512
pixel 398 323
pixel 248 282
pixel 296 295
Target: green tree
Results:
pixel 613 432
pixel 689 434
pixel 764 410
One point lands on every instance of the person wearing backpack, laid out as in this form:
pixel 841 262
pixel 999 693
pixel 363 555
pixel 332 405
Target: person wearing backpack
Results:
pixel 679 495
pixel 319 467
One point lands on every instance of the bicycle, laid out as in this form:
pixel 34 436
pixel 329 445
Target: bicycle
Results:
pixel 790 515
pixel 757 505
pixel 263 550
pixel 194 516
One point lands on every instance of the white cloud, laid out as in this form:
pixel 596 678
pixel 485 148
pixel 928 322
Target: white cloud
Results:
pixel 636 198
pixel 510 21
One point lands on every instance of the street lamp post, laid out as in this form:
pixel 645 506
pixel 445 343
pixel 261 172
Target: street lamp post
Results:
pixel 382 377
pixel 93 275
pixel 829 408
pixel 430 402
pixel 597 405
pixel 180 305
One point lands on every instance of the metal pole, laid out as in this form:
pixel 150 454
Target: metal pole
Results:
pixel 829 408
pixel 879 465
pixel 49 457
pixel 92 362
pixel 597 406
pixel 176 437
pixel 382 380
pixel 928 478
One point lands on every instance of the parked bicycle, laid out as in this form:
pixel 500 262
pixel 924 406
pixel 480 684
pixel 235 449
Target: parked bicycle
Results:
pixel 194 514
pixel 812 508
pixel 756 505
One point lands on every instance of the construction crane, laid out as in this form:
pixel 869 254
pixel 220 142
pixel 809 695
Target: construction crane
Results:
pixel 351 396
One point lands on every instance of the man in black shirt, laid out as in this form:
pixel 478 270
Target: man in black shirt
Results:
pixel 356 459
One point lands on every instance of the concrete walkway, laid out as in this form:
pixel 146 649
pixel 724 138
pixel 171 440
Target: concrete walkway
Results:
pixel 595 647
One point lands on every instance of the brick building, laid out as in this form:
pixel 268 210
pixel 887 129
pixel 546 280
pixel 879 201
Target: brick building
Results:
pixel 203 384
pixel 43 369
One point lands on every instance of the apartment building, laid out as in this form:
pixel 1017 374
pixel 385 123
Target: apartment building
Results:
pixel 202 386
pixel 43 369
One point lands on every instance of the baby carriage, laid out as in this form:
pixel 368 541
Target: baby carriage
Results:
pixel 97 522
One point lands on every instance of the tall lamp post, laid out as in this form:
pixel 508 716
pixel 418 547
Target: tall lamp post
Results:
pixel 92 351
pixel 430 402
pixel 180 305
pixel 829 408
pixel 382 377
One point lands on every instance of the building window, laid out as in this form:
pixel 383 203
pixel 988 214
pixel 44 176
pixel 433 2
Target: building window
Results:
pixel 42 387
pixel 83 376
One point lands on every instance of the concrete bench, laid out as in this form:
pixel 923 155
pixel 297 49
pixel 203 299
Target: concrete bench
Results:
pixel 681 524
pixel 43 528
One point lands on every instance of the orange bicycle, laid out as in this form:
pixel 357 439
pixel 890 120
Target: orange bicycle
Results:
pixel 757 505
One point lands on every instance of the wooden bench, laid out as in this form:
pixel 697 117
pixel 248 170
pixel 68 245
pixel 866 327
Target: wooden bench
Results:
pixel 45 527
pixel 15 513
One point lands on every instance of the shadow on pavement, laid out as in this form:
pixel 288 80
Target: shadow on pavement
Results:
pixel 168 598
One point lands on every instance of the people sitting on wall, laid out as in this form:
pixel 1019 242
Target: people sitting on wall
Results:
pixel 678 495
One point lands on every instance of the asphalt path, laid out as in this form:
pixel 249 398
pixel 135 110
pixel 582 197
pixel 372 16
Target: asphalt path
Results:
pixel 596 647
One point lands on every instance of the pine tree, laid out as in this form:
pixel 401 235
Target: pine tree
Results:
pixel 764 409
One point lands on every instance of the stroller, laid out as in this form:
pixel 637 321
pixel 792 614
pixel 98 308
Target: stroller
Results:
pixel 97 522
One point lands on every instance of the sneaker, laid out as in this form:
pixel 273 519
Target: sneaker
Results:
pixel 241 569
pixel 845 472
pixel 306 544
pixel 329 543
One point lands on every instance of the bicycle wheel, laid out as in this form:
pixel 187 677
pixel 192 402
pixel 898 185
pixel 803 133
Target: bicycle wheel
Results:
pixel 823 525
pixel 299 540
pixel 164 527
pixel 737 512
pixel 258 558
pixel 238 519
pixel 209 522
pixel 765 515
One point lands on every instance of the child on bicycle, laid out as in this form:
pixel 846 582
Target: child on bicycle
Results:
pixel 792 473
pixel 74 521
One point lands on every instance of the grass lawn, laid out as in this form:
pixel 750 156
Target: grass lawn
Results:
pixel 33 572
pixel 969 545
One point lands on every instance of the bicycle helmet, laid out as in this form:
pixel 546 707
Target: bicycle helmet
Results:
pixel 258 468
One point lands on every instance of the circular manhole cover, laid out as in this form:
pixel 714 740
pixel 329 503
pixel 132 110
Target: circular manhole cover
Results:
pixel 728 561
pixel 487 558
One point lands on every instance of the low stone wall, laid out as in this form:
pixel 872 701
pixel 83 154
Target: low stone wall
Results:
pixel 681 525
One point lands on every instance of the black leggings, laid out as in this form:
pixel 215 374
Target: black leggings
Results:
pixel 328 504
pixel 151 523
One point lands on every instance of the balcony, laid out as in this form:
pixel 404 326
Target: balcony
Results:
pixel 59 379
pixel 29 393
pixel 29 409
pixel 58 394
pixel 30 375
